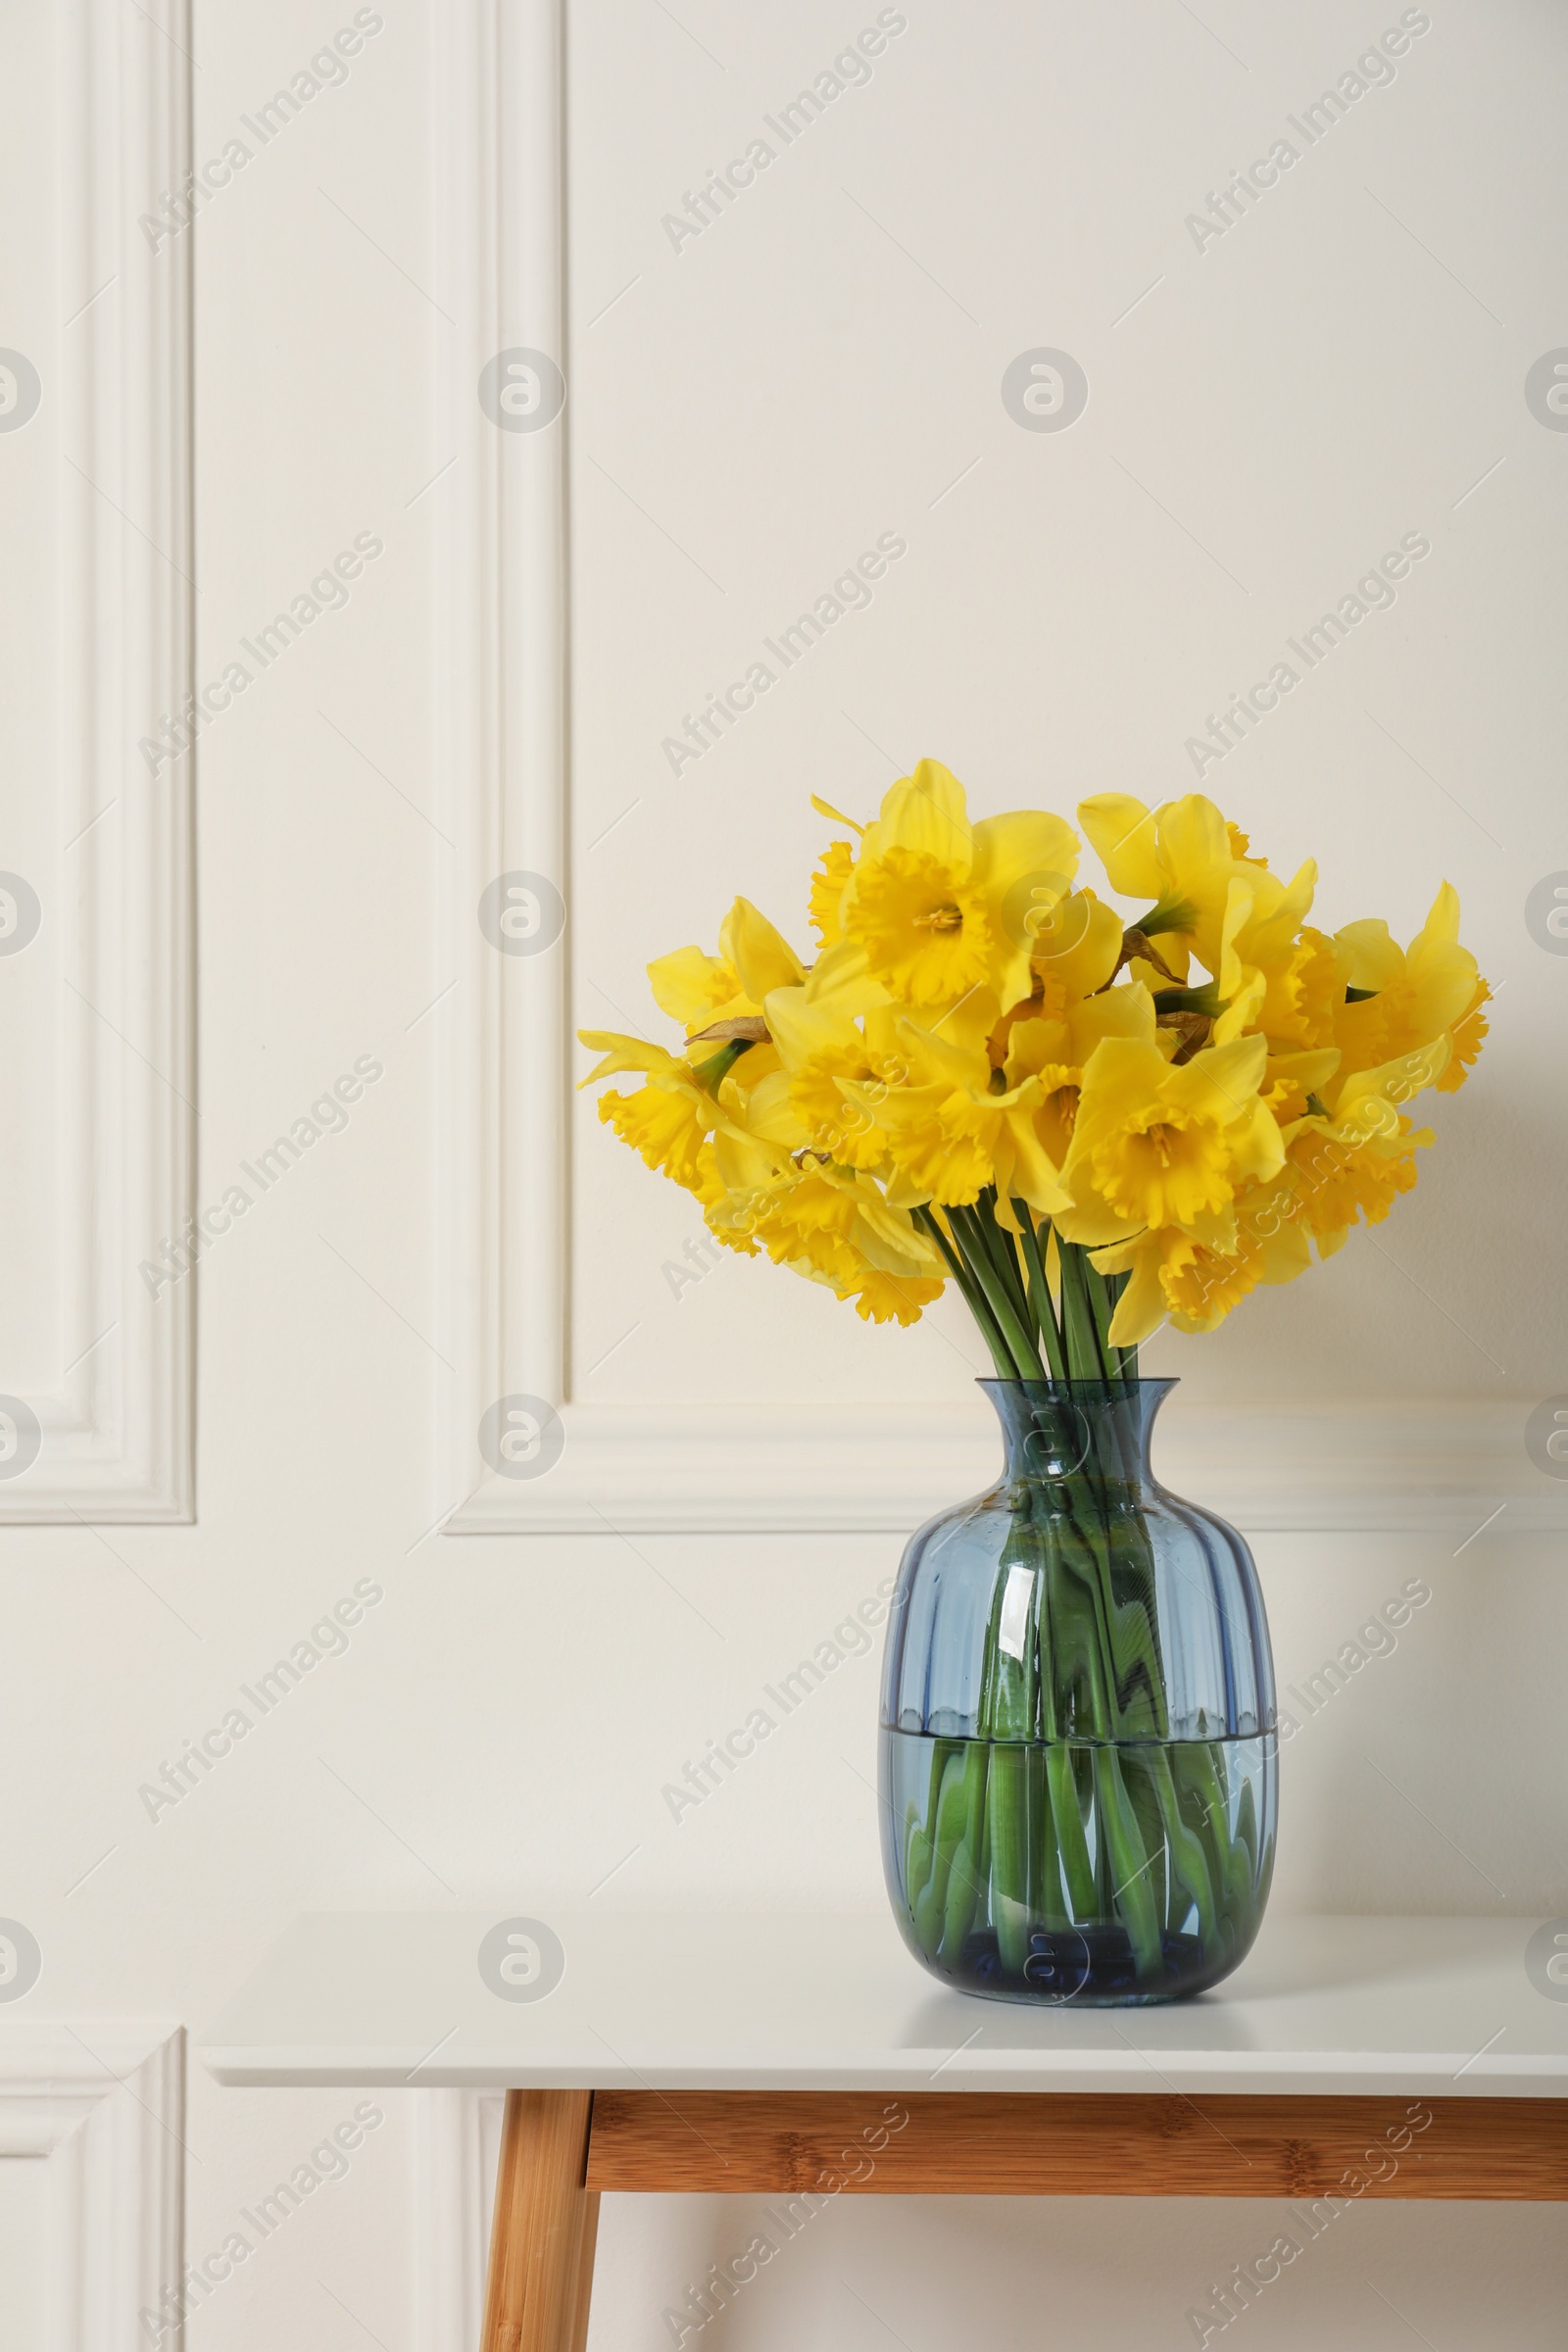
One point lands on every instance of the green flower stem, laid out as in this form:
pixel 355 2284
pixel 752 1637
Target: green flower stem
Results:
pixel 1151 1827
pixel 1190 1855
pixel 1096 1289
pixel 1008 1719
pixel 1046 1899
pixel 1004 1257
pixel 1130 1864
pixel 1134 1890
pixel 1132 1646
pixel 711 1074
pixel 921 1829
pixel 1008 1800
pixel 1117 1283
pixel 994 1246
pixel 1123 1848
pixel 945 1840
pixel 967 1878
pixel 1203 1774
pixel 1026 1362
pixel 1040 1294
pixel 1077 1871
pixel 958 1889
pixel 1078 1316
pixel 974 1297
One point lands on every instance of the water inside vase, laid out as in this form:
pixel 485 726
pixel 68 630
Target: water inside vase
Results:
pixel 1078 1871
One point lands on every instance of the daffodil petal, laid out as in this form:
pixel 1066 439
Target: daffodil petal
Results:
pixel 925 814
pixel 761 956
pixel 1124 838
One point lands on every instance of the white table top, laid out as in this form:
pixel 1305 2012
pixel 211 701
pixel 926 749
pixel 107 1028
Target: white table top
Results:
pixel 803 2001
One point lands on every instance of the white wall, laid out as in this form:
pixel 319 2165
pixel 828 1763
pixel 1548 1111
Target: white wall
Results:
pixel 752 410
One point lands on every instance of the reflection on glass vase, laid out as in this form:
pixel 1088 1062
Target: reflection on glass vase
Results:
pixel 1078 1753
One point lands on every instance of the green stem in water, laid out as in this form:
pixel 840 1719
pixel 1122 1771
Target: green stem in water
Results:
pixel 1077 1871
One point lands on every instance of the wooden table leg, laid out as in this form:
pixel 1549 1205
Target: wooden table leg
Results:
pixel 542 2240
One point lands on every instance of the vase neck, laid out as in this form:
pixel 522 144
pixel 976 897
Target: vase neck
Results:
pixel 1055 1430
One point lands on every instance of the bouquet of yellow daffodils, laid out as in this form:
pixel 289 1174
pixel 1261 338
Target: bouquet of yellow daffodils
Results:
pixel 1092 1120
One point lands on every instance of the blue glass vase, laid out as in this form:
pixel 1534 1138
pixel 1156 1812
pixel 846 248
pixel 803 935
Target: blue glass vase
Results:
pixel 1078 1753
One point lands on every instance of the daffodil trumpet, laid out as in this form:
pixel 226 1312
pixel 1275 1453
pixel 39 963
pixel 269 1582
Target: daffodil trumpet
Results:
pixel 1091 1122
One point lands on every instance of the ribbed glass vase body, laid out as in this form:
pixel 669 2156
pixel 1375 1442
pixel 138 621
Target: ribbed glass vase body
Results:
pixel 1078 1752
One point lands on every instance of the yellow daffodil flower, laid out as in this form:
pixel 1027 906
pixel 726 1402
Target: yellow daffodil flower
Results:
pixel 952 1130
pixel 1056 1051
pixel 1358 1161
pixel 699 991
pixel 892 1297
pixel 1173 1277
pixel 1075 953
pixel 941 906
pixel 824 1052
pixel 1161 1143
pixel 668 1120
pixel 1403 997
pixel 1467 1034
pixel 828 885
pixel 1289 1080
pixel 1130 1119
pixel 1276 974
pixel 830 1220
pixel 1181 857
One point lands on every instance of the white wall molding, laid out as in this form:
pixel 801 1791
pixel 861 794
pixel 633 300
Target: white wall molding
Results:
pixel 1406 1467
pixel 116 1432
pixel 458 2139
pixel 502 669
pixel 1382 1467
pixel 100 2105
